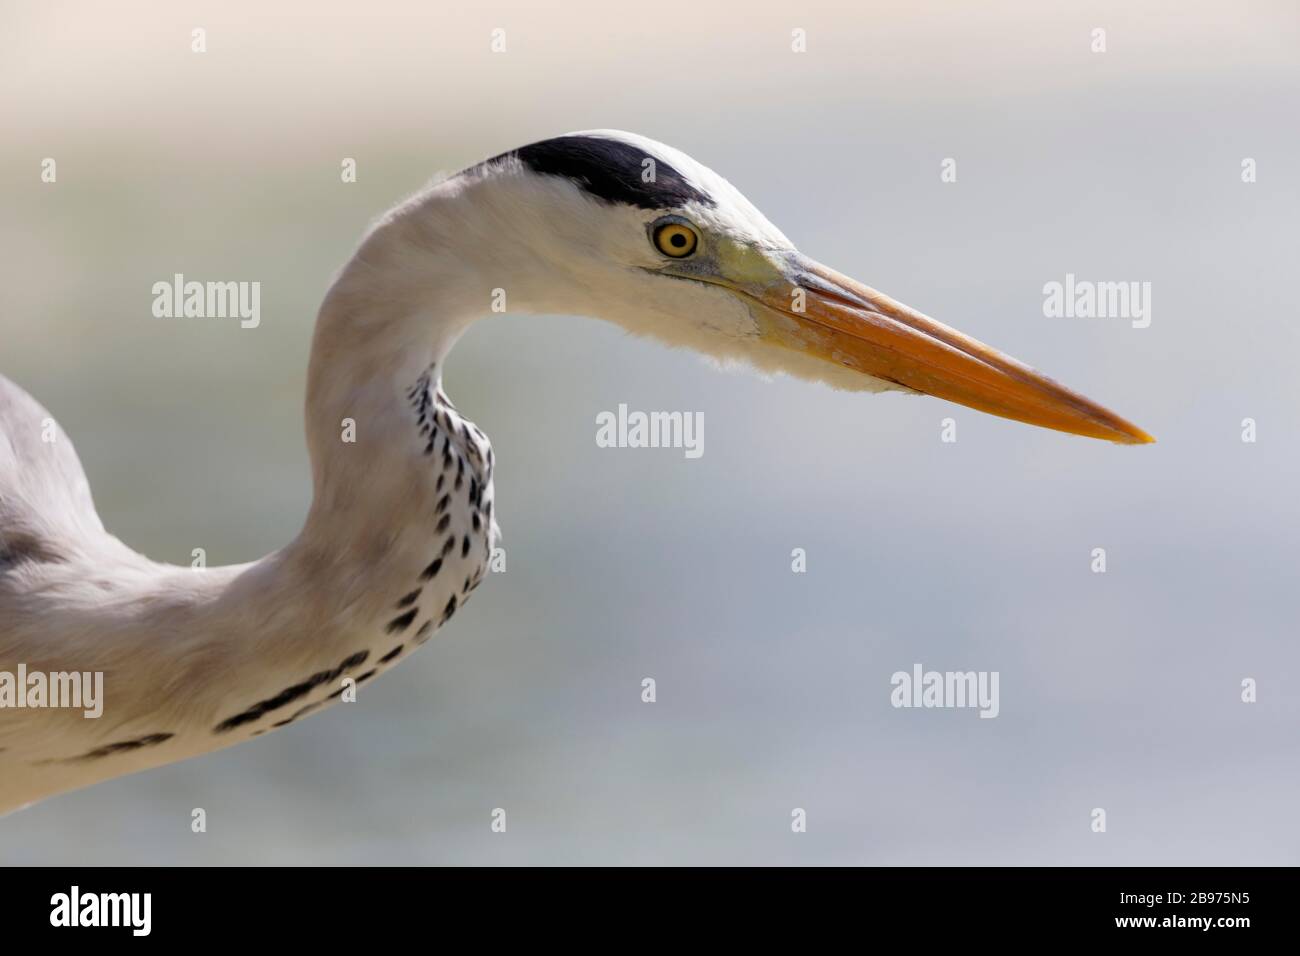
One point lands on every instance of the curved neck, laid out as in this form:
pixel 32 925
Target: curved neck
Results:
pixel 192 657
pixel 391 316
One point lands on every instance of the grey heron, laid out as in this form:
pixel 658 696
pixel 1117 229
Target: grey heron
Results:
pixel 402 520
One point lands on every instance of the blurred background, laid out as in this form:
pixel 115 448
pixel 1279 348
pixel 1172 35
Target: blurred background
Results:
pixel 1118 690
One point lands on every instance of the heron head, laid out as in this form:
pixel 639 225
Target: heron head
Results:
pixel 640 234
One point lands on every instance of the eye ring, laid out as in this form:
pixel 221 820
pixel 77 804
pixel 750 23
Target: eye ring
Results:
pixel 675 239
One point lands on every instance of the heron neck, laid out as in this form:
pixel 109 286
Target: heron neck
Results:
pixel 187 653
pixel 393 314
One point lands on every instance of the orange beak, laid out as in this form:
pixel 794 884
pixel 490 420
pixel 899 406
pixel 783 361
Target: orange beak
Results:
pixel 824 313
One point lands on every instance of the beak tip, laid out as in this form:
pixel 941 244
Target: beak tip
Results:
pixel 1132 435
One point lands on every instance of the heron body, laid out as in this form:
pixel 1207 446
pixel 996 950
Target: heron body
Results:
pixel 402 521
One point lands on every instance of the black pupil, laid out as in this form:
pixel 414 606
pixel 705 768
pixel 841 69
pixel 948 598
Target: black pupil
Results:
pixel 677 239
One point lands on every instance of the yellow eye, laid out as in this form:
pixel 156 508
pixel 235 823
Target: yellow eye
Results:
pixel 674 239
